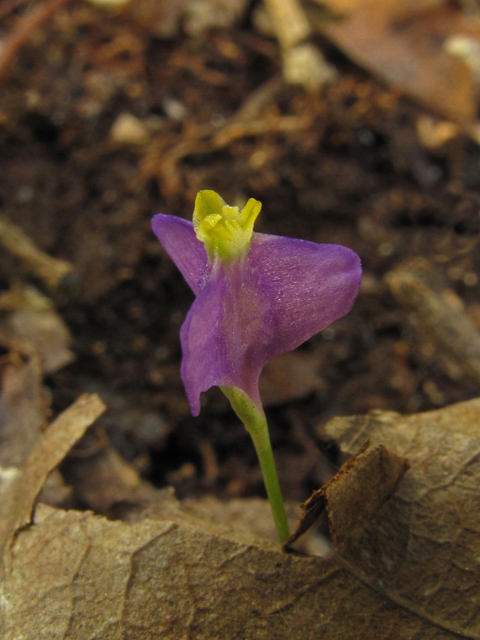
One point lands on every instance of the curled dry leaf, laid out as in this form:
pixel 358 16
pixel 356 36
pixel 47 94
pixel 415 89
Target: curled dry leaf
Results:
pixel 354 494
pixel 22 407
pixel 422 547
pixel 22 482
pixel 48 451
pixel 352 503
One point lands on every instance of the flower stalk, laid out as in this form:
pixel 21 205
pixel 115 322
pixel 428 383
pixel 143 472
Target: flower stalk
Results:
pixel 255 423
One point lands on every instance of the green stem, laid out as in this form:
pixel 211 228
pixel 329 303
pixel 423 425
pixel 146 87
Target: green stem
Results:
pixel 261 440
pixel 256 424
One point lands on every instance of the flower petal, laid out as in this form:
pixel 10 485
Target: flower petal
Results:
pixel 308 286
pixel 180 242
pixel 223 324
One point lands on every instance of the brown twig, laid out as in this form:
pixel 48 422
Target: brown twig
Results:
pixel 290 23
pixel 165 165
pixel 51 270
pixel 162 161
pixel 25 27
pixel 302 61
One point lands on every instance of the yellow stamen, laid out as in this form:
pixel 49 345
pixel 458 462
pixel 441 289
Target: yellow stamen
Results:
pixel 224 230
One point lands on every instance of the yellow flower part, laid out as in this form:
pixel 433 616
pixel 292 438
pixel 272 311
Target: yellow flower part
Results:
pixel 225 231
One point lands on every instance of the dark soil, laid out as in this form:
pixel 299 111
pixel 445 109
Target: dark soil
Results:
pixel 356 174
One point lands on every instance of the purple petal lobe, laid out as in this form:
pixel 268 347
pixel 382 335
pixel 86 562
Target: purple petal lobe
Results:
pixel 180 242
pixel 308 286
pixel 261 306
pixel 222 327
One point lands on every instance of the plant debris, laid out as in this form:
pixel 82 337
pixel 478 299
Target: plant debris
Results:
pixel 173 571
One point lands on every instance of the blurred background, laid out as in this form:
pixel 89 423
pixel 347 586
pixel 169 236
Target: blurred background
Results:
pixel 352 121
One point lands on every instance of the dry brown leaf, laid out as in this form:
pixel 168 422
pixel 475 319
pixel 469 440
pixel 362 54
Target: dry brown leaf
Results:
pixel 47 332
pixel 354 494
pixel 411 572
pixel 22 415
pixel 422 548
pixel 46 454
pixel 352 502
pixel 31 317
pixel 79 576
pixel 27 453
pixel 404 43
pixel 238 518
pixel 22 409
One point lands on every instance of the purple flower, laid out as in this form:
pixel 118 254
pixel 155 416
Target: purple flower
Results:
pixel 255 299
